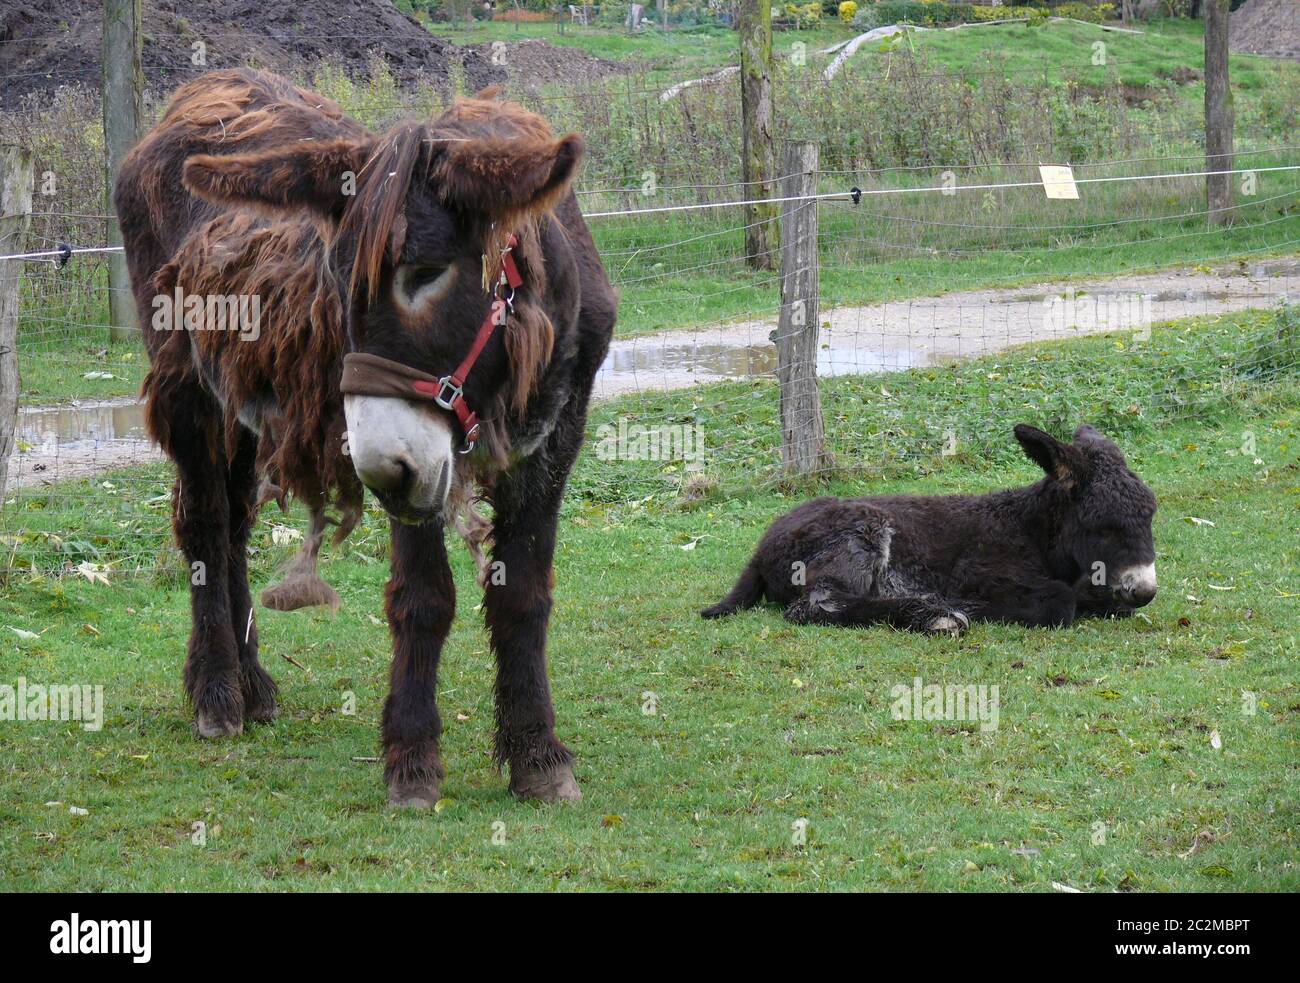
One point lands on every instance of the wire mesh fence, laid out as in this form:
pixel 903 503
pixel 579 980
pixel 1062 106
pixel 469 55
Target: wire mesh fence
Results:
pixel 914 275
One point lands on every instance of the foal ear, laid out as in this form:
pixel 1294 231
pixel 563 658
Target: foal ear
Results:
pixel 501 176
pixel 1063 463
pixel 316 175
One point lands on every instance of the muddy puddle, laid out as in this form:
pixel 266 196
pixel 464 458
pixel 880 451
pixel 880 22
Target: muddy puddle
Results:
pixel 78 440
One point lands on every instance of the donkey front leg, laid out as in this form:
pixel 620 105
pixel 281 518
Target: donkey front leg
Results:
pixel 421 601
pixel 1032 602
pixel 517 602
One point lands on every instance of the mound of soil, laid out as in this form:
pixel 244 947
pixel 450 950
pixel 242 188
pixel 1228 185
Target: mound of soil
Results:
pixel 533 63
pixel 48 43
pixel 1266 27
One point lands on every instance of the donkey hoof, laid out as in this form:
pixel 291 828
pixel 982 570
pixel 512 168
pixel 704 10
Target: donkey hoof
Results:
pixel 296 592
pixel 953 623
pixel 554 784
pixel 212 727
pixel 413 795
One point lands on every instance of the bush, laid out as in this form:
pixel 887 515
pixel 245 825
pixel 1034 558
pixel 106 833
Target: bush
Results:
pixel 1084 11
pixel 984 14
pixel 809 14
pixel 847 11
pixel 915 12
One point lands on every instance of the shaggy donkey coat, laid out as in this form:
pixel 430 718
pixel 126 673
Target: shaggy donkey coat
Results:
pixel 384 245
pixel 1076 544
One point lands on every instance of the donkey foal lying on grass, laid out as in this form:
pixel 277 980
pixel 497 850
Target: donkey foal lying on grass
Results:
pixel 1076 544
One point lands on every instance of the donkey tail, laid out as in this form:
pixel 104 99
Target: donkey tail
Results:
pixel 747 592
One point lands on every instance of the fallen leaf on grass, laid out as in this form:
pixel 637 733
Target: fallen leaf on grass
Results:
pixel 1199 842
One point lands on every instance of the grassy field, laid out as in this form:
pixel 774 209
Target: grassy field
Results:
pixel 1121 745
pixel 1054 51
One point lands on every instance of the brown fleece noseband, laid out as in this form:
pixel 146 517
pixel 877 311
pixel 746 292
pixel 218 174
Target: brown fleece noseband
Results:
pixel 370 375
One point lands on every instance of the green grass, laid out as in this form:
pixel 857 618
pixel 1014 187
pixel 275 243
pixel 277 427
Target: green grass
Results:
pixel 758 724
pixel 1053 51
pixel 679 50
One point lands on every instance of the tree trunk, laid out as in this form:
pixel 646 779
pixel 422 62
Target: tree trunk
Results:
pixel 1218 113
pixel 757 153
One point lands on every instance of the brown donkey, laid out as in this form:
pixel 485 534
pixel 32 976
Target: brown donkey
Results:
pixel 422 310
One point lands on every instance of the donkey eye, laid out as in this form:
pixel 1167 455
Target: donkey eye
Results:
pixel 416 284
pixel 418 276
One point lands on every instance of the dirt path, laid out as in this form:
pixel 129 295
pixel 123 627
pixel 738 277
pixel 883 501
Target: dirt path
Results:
pixel 906 333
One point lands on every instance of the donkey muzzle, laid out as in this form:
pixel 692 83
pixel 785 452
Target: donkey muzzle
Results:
pixel 402 451
pixel 1137 585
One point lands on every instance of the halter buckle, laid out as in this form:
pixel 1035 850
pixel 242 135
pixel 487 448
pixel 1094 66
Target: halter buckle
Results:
pixel 447 385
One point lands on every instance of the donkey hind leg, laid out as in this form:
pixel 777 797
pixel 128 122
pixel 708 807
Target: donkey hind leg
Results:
pixel 201 518
pixel 421 601
pixel 302 586
pixel 829 602
pixel 258 688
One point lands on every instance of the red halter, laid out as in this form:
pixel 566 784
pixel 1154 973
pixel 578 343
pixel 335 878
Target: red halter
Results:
pixel 448 392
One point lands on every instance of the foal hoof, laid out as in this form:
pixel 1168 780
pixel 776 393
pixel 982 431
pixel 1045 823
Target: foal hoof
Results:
pixel 554 784
pixel 953 623
pixel 299 591
pixel 213 728
pixel 413 795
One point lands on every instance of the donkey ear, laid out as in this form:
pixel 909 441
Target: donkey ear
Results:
pixel 1063 463
pixel 501 176
pixel 1088 434
pixel 319 176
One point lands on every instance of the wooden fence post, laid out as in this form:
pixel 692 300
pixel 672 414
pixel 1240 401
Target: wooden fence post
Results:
pixel 802 431
pixel 123 93
pixel 16 177
pixel 1218 114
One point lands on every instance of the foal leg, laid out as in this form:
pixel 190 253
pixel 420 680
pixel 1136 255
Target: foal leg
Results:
pixel 829 603
pixel 1032 602
pixel 517 602
pixel 258 688
pixel 421 601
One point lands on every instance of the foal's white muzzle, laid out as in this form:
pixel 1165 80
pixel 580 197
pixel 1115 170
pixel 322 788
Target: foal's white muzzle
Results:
pixel 402 451
pixel 1137 585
